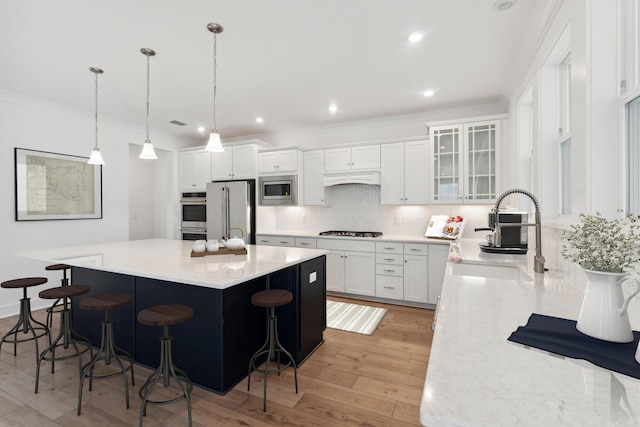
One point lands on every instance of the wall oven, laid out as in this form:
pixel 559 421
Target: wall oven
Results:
pixel 193 210
pixel 278 190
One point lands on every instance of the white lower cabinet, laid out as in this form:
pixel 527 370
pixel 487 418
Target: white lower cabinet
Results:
pixel 438 255
pixel 350 266
pixel 416 286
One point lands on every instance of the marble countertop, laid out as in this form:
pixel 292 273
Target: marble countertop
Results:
pixel 478 378
pixel 409 238
pixel 171 260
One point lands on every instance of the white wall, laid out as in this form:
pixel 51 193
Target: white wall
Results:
pixel 34 124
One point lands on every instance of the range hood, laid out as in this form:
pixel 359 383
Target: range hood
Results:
pixel 371 178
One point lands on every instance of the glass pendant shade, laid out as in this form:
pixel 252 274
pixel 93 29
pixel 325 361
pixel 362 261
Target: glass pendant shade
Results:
pixel 96 157
pixel 215 144
pixel 148 153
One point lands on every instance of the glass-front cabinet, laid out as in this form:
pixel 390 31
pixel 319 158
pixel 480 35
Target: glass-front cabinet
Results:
pixel 464 162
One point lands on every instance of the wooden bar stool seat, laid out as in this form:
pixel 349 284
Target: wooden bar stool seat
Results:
pixel 57 305
pixel 270 299
pixel 108 350
pixel 165 316
pixel 67 336
pixel 26 323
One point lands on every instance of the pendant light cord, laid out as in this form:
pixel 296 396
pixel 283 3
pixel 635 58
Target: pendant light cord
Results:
pixel 147 99
pixel 96 111
pixel 215 88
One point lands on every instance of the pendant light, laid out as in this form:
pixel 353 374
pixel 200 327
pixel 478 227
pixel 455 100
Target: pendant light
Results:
pixel 147 149
pixel 214 143
pixel 96 157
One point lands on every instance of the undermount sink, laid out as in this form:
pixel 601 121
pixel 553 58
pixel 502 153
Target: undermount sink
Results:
pixel 490 271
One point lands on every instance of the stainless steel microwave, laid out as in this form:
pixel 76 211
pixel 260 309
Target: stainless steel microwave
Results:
pixel 278 190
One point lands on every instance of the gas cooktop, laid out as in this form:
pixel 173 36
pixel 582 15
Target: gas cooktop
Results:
pixel 351 233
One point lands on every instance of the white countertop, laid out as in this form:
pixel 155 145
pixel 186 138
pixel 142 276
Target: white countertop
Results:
pixel 410 238
pixel 171 260
pixel 478 378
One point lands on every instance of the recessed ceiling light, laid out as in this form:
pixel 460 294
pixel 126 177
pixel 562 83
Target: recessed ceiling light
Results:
pixel 333 108
pixel 259 120
pixel 428 93
pixel 501 5
pixel 200 128
pixel 415 37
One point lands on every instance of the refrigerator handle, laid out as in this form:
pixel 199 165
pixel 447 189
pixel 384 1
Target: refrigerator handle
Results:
pixel 226 215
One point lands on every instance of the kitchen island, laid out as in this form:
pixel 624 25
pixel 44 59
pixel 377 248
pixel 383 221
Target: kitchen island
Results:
pixel 215 346
pixel 478 378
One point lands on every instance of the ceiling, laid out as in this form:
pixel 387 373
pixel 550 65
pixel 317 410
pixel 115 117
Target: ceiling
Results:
pixel 283 60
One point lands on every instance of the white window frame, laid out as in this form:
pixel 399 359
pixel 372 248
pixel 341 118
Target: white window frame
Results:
pixel 564 134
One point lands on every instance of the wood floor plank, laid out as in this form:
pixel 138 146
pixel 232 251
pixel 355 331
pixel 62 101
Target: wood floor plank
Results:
pixel 351 380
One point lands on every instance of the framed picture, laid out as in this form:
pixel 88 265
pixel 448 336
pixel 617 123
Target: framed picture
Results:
pixel 56 186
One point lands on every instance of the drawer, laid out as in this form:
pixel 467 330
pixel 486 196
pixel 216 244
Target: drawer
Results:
pixel 416 249
pixel 274 240
pixel 388 259
pixel 389 287
pixel 389 247
pixel 303 242
pixel 389 270
pixel 346 245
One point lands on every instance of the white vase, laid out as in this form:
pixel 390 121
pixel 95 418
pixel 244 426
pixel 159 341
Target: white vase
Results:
pixel 603 314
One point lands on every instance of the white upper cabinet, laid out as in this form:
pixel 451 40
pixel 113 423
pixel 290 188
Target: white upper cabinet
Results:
pixel 404 173
pixel 282 161
pixel 313 168
pixel 236 162
pixel 359 157
pixel 465 167
pixel 195 170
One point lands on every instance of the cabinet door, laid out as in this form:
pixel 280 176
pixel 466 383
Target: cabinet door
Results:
pixel 335 271
pixel 288 161
pixel 187 181
pixel 268 162
pixel 244 161
pixel 203 169
pixel 360 273
pixel 438 255
pixel 222 165
pixel 365 157
pixel 313 191
pixel 337 159
pixel 416 175
pixel 392 179
pixel 416 287
pixel 480 143
pixel 446 172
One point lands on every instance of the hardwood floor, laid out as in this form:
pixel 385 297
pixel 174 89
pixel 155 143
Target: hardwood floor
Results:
pixel 351 380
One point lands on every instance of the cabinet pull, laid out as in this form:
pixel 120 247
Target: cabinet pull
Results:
pixel 284 242
pixel 393 249
pixel 304 243
pixel 415 250
pixel 389 287
pixel 389 271
pixel 389 259
pixel 264 241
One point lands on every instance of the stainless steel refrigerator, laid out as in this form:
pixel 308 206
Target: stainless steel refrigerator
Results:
pixel 231 205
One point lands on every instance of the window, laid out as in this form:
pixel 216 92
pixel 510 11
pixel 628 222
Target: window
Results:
pixel 564 133
pixel 565 177
pixel 633 156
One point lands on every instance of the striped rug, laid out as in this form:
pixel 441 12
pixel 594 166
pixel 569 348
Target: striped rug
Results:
pixel 361 319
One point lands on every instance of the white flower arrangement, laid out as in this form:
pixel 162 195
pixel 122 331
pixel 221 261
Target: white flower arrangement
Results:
pixel 600 244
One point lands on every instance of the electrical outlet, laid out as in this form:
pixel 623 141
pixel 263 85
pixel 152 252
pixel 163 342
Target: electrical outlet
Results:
pixel 303 217
pixel 397 219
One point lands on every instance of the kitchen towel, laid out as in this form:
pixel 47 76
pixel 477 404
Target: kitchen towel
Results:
pixel 560 336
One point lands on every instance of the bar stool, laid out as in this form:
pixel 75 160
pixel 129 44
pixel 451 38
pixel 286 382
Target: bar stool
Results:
pixel 271 299
pixel 25 318
pixel 165 316
pixel 57 305
pixel 108 350
pixel 67 335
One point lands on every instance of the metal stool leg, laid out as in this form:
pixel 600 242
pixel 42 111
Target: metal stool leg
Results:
pixel 108 352
pixel 68 337
pixel 25 325
pixel 57 303
pixel 166 370
pixel 271 348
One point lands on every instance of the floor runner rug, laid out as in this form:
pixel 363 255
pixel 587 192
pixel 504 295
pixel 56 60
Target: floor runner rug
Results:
pixel 361 319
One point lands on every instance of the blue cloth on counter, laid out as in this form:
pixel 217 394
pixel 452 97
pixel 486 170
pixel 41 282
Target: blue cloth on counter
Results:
pixel 560 336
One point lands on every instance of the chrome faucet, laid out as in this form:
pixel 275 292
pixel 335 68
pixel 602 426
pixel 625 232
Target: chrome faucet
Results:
pixel 538 260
